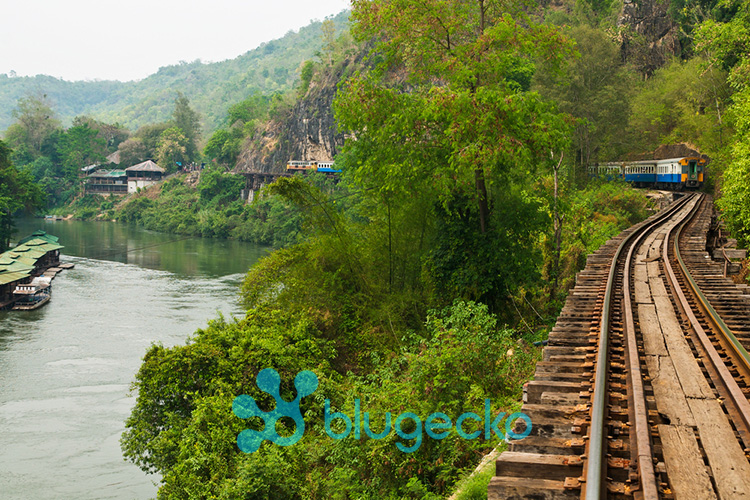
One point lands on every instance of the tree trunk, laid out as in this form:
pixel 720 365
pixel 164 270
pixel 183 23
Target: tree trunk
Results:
pixel 481 199
pixel 390 249
pixel 557 221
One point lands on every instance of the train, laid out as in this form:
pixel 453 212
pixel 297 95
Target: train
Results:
pixel 312 166
pixel 674 174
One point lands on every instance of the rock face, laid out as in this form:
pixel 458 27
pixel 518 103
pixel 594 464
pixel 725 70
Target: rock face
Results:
pixel 667 151
pixel 649 35
pixel 307 132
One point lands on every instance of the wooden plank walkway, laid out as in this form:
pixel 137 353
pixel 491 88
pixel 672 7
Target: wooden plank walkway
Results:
pixel 684 398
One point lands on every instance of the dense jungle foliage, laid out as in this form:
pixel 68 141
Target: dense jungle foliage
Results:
pixel 214 209
pixel 420 280
pixel 18 191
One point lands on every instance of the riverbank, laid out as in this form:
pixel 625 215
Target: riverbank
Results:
pixel 188 205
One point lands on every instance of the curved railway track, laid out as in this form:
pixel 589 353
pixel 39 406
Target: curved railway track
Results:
pixel 643 389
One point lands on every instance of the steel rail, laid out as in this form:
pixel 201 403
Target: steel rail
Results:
pixel 644 450
pixel 594 465
pixel 714 317
pixel 740 354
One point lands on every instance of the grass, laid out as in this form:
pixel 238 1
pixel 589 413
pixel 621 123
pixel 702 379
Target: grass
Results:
pixel 474 487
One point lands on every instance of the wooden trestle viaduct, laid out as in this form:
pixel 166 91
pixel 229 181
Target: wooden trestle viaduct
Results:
pixel 643 387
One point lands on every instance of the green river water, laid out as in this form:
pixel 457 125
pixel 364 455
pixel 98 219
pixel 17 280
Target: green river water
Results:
pixel 66 369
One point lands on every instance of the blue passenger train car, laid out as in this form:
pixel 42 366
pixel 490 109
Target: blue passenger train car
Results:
pixel 311 166
pixel 607 171
pixel 640 173
pixel 327 167
pixel 673 174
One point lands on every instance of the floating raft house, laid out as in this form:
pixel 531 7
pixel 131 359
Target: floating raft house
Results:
pixel 30 258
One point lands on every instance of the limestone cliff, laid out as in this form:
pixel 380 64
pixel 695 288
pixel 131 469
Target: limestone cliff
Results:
pixel 649 36
pixel 667 151
pixel 306 132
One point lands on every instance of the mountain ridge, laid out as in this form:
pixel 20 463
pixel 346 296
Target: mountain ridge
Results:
pixel 212 87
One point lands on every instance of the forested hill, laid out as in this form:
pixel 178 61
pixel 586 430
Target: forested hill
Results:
pixel 211 88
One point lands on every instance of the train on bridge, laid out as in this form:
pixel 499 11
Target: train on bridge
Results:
pixel 674 174
pixel 311 166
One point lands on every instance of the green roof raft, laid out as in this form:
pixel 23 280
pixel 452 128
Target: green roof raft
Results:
pixel 22 266
pixel 11 258
pixel 37 244
pixel 39 234
pixel 19 262
pixel 9 277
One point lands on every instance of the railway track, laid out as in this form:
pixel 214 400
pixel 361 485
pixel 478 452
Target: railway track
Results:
pixel 643 389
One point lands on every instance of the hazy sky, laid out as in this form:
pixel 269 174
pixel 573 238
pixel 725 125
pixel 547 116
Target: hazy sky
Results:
pixel 107 40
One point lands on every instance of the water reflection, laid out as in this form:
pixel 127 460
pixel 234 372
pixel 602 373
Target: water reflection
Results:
pixel 186 256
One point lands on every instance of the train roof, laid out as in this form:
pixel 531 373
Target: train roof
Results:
pixel 683 159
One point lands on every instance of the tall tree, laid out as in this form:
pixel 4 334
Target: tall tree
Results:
pixel 151 135
pixel 188 121
pixel 329 39
pixel 675 106
pixel 728 44
pixel 80 146
pixel 17 192
pixel 172 149
pixel 112 134
pixel 445 123
pixel 35 123
pixel 133 151
pixel 596 90
pixel 450 101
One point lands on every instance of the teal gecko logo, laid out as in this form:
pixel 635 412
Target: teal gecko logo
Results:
pixel 269 381
pixel 437 425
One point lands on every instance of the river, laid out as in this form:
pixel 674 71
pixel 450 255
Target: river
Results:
pixel 66 369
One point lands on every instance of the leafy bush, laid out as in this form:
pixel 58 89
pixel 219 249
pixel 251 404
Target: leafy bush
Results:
pixel 182 424
pixel 214 209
